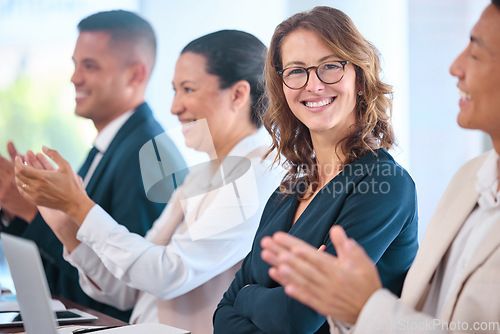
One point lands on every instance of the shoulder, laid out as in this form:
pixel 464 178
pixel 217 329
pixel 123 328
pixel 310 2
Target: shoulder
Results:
pixel 142 126
pixel 276 201
pixel 465 177
pixel 378 184
pixel 143 132
pixel 380 167
pixel 266 168
pixel 471 166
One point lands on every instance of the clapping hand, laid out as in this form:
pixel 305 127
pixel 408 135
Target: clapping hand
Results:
pixel 63 225
pixel 56 188
pixel 335 286
pixel 11 201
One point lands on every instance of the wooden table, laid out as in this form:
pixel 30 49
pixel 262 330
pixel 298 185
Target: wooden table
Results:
pixel 103 319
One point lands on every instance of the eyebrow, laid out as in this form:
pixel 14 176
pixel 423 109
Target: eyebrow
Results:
pixel 182 83
pixel 478 41
pixel 300 63
pixel 85 60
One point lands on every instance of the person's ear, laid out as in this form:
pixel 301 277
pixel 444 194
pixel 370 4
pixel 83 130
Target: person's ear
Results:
pixel 240 94
pixel 137 74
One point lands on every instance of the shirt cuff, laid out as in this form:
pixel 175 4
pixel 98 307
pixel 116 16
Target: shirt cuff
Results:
pixel 95 226
pixel 82 258
pixel 77 254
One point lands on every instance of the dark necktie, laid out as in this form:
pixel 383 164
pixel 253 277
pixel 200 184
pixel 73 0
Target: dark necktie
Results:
pixel 86 165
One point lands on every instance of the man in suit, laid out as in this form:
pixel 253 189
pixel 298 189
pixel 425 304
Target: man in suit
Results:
pixel 114 57
pixel 454 283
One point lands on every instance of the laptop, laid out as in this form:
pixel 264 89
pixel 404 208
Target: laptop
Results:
pixel 32 290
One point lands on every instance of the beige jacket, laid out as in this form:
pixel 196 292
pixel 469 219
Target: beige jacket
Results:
pixel 474 306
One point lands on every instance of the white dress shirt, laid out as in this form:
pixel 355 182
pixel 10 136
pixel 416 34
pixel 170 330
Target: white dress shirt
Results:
pixel 103 140
pixel 198 241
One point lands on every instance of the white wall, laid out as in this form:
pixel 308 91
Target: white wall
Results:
pixel 439 31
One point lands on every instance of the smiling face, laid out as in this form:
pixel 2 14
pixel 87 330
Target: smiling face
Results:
pixel 100 79
pixel 198 97
pixel 478 71
pixel 326 109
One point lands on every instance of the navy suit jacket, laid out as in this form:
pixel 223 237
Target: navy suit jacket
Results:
pixel 116 185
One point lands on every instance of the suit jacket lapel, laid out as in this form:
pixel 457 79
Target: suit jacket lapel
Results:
pixel 141 113
pixel 453 210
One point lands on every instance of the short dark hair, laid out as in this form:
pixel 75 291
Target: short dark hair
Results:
pixel 234 55
pixel 123 26
pixel 496 3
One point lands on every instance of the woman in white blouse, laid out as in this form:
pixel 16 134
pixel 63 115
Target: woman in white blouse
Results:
pixel 177 273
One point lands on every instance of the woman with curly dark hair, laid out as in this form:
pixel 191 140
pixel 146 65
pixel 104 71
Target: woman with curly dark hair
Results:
pixel 329 118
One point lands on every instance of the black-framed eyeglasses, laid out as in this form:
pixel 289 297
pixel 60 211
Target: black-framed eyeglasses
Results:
pixel 330 72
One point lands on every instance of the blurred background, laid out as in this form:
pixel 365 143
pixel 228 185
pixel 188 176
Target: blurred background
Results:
pixel 418 40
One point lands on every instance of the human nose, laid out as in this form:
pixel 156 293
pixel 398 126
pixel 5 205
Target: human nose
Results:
pixel 456 68
pixel 76 78
pixel 176 107
pixel 313 82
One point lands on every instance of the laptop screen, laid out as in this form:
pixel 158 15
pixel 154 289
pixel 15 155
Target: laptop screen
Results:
pixel 31 285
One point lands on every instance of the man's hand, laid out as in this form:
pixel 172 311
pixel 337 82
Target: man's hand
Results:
pixel 11 201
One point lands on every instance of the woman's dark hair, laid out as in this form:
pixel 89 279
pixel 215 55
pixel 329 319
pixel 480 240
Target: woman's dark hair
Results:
pixel 232 56
pixel 496 3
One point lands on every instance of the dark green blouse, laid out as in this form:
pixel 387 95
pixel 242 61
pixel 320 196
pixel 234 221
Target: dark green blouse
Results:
pixel 373 199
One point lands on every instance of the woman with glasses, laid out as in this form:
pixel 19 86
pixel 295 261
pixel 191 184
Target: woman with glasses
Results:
pixel 329 117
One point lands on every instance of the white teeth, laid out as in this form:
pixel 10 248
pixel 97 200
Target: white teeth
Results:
pixel 464 95
pixel 80 94
pixel 318 103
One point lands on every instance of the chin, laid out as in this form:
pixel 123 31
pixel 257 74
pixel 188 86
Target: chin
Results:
pixel 319 127
pixel 467 124
pixel 464 121
pixel 191 143
pixel 80 112
pixel 195 143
